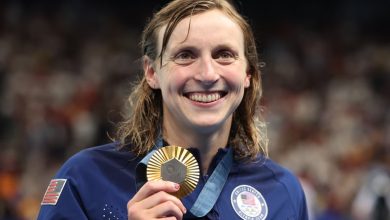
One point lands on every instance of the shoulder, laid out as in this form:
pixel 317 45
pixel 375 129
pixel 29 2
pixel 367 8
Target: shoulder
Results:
pixel 284 176
pixel 267 169
pixel 96 158
pixel 88 180
pixel 291 184
pixel 277 179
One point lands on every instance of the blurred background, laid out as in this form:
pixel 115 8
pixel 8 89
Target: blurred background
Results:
pixel 66 68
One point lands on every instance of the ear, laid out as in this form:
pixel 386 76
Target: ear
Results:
pixel 150 73
pixel 247 80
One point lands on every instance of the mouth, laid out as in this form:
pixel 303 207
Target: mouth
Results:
pixel 205 97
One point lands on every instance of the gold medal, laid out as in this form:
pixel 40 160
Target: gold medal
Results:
pixel 175 164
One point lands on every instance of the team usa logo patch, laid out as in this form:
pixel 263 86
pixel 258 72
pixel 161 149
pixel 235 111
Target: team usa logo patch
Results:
pixel 248 203
pixel 53 192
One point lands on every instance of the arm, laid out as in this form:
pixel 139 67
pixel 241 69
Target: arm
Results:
pixel 67 205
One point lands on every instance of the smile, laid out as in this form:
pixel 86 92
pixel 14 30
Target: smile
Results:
pixel 205 97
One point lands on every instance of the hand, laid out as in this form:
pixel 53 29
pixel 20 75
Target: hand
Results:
pixel 153 201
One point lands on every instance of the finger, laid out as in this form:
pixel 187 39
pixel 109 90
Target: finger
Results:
pixel 152 187
pixel 167 209
pixel 161 197
pixel 168 218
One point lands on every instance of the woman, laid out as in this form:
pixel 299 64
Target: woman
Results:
pixel 200 90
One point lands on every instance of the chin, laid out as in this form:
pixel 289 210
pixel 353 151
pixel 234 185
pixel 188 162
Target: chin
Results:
pixel 208 125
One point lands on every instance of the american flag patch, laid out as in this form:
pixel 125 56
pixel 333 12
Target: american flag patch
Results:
pixel 53 192
pixel 248 199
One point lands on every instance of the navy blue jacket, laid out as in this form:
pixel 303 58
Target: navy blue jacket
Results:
pixel 99 181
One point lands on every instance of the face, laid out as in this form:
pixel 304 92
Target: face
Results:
pixel 203 74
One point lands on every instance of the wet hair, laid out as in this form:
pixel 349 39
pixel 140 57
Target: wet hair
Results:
pixel 142 127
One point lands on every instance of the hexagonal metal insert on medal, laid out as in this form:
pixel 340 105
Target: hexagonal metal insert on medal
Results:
pixel 173 170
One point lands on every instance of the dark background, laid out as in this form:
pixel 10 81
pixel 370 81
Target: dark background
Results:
pixel 66 68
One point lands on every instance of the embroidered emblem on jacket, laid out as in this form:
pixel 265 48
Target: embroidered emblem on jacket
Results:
pixel 248 203
pixel 53 192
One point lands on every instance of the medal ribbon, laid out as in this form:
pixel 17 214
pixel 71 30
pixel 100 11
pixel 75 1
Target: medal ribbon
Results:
pixel 211 190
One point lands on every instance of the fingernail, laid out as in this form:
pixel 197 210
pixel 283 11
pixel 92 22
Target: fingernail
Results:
pixel 177 186
pixel 185 210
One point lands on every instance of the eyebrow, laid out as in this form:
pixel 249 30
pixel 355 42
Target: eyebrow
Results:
pixel 192 47
pixel 227 47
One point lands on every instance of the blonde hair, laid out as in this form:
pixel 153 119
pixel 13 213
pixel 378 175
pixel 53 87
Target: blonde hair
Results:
pixel 141 129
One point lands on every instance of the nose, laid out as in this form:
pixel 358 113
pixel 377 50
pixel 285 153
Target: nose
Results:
pixel 207 71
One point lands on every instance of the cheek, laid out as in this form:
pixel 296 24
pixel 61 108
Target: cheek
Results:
pixel 172 80
pixel 237 77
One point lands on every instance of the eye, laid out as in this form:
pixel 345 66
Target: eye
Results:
pixel 225 57
pixel 184 58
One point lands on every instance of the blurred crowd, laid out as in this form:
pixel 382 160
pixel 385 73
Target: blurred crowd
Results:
pixel 327 104
pixel 65 74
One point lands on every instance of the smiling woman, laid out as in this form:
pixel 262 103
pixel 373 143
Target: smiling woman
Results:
pixel 249 136
pixel 198 71
pixel 201 90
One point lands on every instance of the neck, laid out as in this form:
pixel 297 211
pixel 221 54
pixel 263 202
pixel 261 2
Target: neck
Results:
pixel 207 143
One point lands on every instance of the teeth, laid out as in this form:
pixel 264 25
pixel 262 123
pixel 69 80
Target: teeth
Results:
pixel 205 97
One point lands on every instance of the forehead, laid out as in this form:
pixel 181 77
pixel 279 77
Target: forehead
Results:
pixel 207 27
